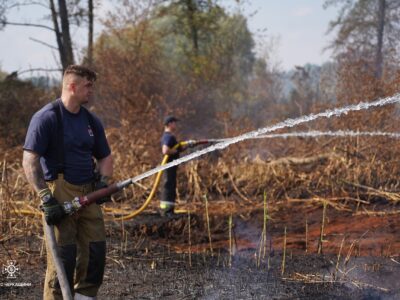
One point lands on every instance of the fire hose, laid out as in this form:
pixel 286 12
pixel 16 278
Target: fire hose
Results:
pixel 70 207
pixel 61 275
pixel 78 202
pixel 156 183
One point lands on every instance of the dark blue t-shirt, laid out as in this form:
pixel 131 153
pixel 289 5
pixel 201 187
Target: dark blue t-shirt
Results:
pixel 169 140
pixel 81 143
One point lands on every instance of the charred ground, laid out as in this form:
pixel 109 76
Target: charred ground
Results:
pixel 153 258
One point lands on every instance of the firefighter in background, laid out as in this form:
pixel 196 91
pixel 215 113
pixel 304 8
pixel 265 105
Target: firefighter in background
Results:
pixel 168 143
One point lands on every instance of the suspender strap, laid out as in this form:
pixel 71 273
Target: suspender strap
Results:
pixel 56 106
pixel 60 136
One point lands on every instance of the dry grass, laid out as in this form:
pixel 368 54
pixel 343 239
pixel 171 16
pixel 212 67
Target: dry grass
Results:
pixel 328 181
pixel 346 174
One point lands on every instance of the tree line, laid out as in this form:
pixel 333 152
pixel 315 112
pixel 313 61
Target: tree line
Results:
pixel 197 59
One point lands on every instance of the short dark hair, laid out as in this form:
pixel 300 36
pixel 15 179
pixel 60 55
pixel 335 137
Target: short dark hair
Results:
pixel 81 71
pixel 170 119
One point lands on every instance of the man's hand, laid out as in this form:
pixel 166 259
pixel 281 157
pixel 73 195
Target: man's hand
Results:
pixel 101 182
pixel 53 211
pixel 191 143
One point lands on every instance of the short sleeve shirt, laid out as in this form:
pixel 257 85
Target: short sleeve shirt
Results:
pixel 169 140
pixel 81 143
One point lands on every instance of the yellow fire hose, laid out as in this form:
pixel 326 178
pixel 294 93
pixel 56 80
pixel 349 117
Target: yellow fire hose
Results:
pixel 126 216
pixel 151 195
pixel 146 203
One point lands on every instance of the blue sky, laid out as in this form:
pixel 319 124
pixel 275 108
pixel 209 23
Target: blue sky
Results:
pixel 299 26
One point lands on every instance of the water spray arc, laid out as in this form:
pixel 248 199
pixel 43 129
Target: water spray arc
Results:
pixel 259 132
pixel 305 134
pixel 79 202
pixel 124 215
pixel 339 133
pixel 316 134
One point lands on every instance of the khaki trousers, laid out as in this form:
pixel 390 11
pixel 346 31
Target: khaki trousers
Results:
pixel 81 244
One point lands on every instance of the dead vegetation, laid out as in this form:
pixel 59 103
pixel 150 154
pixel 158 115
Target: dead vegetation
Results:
pixel 330 196
pixel 350 175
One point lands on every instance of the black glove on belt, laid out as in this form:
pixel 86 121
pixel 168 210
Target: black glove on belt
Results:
pixel 53 211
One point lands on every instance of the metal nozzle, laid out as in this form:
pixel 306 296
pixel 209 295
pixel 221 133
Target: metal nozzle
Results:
pixel 72 206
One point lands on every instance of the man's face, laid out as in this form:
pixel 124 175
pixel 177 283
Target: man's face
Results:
pixel 172 126
pixel 83 90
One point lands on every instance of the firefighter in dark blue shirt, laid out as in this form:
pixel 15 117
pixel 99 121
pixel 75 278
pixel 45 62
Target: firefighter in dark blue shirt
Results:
pixel 61 144
pixel 168 142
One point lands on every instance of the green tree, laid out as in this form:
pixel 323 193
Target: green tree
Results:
pixel 369 28
pixel 222 55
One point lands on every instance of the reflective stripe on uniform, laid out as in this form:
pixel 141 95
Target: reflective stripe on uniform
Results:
pixel 166 204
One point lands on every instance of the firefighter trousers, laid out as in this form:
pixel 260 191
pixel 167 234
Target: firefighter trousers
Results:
pixel 81 244
pixel 168 194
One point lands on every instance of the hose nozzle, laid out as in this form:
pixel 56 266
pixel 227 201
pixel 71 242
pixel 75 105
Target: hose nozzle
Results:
pixel 70 207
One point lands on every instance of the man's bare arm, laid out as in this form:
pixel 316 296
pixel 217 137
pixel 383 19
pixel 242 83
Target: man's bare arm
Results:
pixel 33 170
pixel 106 166
pixel 169 151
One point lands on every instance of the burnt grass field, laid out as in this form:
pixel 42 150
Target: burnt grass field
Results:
pixel 154 258
pixel 312 225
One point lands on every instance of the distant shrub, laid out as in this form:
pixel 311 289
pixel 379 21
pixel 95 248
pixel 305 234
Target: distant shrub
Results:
pixel 18 102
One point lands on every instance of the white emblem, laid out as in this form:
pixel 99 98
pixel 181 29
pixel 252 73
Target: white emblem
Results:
pixel 11 269
pixel 90 131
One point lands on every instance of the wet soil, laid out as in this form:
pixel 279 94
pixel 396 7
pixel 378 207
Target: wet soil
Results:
pixel 154 258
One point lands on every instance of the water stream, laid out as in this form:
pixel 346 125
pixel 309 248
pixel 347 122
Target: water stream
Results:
pixel 339 133
pixel 288 123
